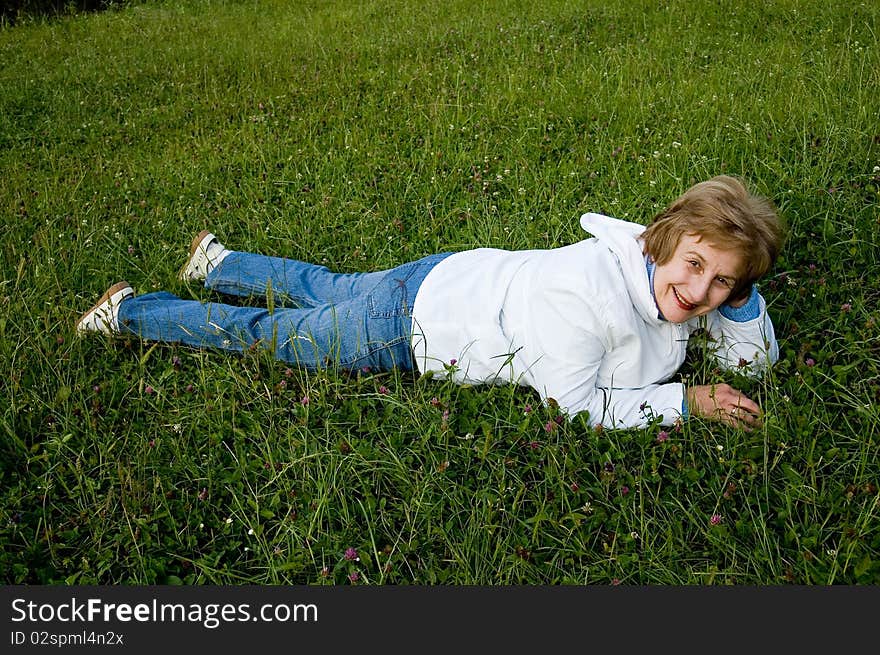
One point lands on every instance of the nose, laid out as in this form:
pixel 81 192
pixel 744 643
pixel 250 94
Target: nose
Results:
pixel 699 289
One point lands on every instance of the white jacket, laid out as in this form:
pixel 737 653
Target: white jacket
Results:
pixel 578 324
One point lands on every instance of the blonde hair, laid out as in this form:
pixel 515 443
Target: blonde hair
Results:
pixel 722 211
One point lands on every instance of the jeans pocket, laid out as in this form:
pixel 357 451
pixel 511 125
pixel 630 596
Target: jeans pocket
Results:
pixel 390 299
pixel 395 295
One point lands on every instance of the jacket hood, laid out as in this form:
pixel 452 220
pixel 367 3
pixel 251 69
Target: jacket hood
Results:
pixel 623 239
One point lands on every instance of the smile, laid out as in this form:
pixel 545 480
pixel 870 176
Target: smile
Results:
pixel 682 302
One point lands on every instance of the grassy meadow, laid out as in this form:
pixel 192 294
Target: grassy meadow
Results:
pixel 365 133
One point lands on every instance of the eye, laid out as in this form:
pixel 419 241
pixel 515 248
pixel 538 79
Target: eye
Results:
pixel 694 263
pixel 723 281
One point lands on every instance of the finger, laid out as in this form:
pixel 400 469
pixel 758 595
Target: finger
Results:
pixel 746 404
pixel 749 405
pixel 740 417
pixel 745 412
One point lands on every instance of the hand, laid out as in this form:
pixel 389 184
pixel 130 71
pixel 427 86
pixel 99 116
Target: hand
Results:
pixel 721 402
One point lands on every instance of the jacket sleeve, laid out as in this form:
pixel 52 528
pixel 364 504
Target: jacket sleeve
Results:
pixel 743 337
pixel 563 349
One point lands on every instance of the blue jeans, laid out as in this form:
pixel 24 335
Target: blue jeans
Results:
pixel 320 319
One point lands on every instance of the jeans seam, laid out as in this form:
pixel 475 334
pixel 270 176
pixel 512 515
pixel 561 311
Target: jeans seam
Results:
pixel 370 350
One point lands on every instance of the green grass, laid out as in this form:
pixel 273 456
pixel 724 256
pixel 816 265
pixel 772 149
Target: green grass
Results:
pixel 365 134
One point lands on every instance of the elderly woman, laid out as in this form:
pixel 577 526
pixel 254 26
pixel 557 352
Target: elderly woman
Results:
pixel 599 326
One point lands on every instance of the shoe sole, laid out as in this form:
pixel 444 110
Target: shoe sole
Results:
pixel 116 288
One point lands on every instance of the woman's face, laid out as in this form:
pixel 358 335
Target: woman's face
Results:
pixel 697 279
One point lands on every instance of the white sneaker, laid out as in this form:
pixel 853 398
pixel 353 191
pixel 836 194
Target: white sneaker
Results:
pixel 102 317
pixel 205 253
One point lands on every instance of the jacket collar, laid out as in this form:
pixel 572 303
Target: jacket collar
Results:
pixel 622 238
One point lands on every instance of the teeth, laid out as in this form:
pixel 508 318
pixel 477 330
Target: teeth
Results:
pixel 682 300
